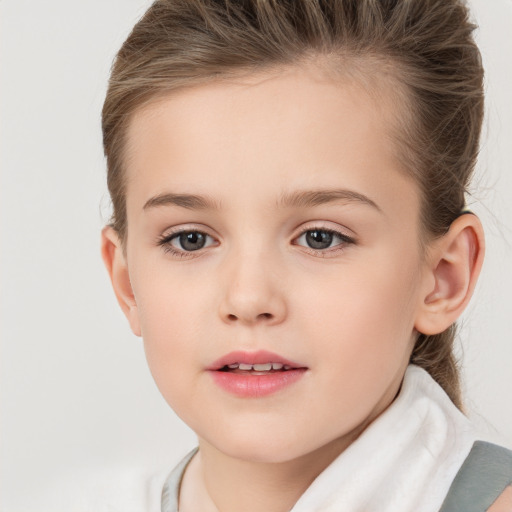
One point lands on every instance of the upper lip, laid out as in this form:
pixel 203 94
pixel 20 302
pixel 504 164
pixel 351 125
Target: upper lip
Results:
pixel 259 357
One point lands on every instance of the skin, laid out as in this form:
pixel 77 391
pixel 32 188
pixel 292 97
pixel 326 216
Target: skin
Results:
pixel 350 312
pixel 503 503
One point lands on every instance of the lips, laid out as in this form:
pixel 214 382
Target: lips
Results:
pixel 262 357
pixel 255 374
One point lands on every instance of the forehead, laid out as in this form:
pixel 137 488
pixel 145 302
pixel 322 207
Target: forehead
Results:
pixel 294 126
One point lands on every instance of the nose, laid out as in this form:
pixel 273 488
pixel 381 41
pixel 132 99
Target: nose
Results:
pixel 253 292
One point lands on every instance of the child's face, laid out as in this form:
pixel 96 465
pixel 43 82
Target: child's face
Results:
pixel 303 241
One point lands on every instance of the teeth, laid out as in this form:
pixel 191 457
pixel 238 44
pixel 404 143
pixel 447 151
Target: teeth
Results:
pixel 262 367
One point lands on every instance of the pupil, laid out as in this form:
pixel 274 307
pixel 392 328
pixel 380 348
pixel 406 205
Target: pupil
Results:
pixel 192 241
pixel 317 239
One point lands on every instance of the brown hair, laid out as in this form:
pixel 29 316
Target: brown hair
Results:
pixel 427 43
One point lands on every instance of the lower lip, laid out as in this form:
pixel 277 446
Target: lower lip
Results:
pixel 252 386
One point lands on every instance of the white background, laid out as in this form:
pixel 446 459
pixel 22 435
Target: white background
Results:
pixel 75 390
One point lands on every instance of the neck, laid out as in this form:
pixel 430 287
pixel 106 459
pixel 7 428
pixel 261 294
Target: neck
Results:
pixel 223 483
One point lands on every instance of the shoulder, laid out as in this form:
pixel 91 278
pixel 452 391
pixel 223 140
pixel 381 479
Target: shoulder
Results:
pixel 483 482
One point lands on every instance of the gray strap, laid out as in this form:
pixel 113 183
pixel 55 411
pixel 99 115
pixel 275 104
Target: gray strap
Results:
pixel 485 474
pixel 171 487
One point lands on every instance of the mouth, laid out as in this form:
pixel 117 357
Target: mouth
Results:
pixel 256 369
pixel 261 361
pixel 255 374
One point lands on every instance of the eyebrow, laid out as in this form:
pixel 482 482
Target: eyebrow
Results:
pixel 310 198
pixel 189 201
pixel 297 199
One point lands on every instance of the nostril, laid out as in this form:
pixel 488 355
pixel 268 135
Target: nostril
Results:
pixel 266 316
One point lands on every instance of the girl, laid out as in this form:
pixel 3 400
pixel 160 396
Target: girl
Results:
pixel 290 240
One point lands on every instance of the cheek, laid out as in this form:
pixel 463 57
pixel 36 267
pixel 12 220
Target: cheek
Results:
pixel 365 312
pixel 360 331
pixel 170 301
pixel 172 316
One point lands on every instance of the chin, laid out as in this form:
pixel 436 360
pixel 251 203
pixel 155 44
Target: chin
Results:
pixel 261 447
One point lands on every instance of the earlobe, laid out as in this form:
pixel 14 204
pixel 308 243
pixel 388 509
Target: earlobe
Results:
pixel 451 276
pixel 115 263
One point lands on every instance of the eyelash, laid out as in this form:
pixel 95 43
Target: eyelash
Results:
pixel 344 241
pixel 165 242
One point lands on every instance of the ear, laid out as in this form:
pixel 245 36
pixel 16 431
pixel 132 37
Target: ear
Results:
pixel 115 262
pixel 452 271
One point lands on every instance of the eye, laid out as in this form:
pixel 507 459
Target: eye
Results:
pixel 321 239
pixel 186 241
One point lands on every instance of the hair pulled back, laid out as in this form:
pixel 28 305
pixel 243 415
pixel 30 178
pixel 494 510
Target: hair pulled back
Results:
pixel 428 43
